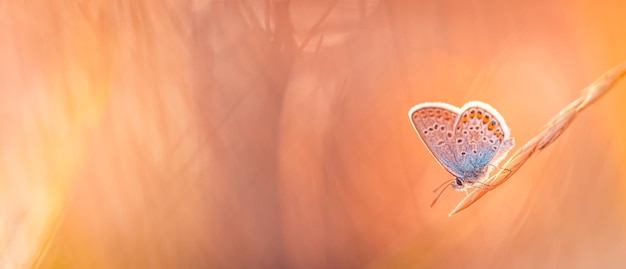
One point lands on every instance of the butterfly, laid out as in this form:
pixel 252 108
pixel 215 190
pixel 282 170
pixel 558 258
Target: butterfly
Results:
pixel 467 141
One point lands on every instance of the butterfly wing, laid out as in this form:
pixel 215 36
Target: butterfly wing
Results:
pixel 434 123
pixel 481 137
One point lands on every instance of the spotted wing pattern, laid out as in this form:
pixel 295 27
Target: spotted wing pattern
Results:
pixel 434 123
pixel 480 135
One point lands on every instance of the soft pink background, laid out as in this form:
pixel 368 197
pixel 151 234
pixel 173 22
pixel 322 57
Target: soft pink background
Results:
pixel 274 134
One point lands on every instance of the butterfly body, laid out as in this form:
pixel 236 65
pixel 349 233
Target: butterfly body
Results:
pixel 468 141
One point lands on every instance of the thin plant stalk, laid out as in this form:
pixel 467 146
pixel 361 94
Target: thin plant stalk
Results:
pixel 549 134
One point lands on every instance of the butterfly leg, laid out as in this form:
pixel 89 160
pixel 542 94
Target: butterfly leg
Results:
pixel 481 185
pixel 501 168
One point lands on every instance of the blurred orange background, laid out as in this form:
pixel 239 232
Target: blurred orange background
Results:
pixel 274 134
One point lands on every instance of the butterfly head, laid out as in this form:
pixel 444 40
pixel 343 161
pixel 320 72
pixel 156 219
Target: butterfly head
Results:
pixel 458 184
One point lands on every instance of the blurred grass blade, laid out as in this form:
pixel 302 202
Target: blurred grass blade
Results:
pixel 549 134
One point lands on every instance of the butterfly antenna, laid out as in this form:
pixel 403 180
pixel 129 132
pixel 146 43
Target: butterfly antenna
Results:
pixel 433 203
pixel 443 184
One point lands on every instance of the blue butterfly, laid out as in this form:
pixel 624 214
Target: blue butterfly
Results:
pixel 467 141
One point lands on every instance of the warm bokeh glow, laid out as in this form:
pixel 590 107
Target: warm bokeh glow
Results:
pixel 274 134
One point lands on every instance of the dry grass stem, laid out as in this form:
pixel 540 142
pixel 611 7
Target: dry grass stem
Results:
pixel 549 134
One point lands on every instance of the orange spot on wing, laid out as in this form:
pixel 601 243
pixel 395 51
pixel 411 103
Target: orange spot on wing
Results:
pixel 492 125
pixel 498 134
